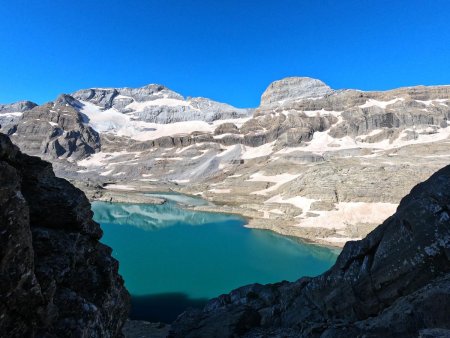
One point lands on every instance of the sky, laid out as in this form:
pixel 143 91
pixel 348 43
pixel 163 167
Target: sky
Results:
pixel 229 51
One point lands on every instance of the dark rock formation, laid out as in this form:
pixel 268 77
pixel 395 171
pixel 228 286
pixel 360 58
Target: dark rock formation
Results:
pixel 393 283
pixel 56 279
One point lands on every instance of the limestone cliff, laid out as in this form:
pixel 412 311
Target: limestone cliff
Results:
pixel 56 278
pixel 393 283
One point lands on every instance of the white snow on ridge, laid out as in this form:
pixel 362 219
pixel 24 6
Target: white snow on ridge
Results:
pixel 139 106
pixel 381 104
pixel 113 121
pixel 254 152
pixel 314 113
pixel 119 187
pixel 431 102
pixel 101 159
pixel 11 114
pixel 322 141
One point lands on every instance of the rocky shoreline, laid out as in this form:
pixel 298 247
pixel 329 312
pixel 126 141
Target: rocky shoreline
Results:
pixel 135 194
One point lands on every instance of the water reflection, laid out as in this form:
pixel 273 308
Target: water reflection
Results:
pixel 153 217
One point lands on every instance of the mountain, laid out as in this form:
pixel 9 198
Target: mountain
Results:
pixel 154 103
pixel 393 283
pixel 310 161
pixel 56 278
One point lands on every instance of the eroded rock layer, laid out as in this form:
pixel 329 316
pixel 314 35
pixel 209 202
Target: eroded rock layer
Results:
pixel 56 278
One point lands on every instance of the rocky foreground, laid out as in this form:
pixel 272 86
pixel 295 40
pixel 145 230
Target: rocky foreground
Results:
pixel 393 283
pixel 56 278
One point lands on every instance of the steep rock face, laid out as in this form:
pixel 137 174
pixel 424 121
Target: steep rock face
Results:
pixel 395 282
pixel 294 88
pixel 55 130
pixel 56 279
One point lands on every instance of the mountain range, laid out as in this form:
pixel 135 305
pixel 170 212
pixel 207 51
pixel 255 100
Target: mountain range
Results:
pixel 322 164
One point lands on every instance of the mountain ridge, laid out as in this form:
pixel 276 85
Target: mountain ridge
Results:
pixel 288 165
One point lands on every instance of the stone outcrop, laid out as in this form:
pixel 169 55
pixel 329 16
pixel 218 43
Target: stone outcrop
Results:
pixel 56 130
pixel 56 278
pixel 294 88
pixel 10 114
pixel 393 283
pixel 15 107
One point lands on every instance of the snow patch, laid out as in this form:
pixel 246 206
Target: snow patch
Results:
pixel 350 213
pixel 279 180
pixel 301 202
pixel 381 104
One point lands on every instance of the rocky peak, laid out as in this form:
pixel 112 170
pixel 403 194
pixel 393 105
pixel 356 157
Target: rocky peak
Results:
pixel 118 98
pixel 55 130
pixel 19 106
pixel 294 88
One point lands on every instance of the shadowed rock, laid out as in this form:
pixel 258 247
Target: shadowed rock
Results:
pixel 56 279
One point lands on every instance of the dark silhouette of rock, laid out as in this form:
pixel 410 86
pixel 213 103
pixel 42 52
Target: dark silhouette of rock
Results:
pixel 56 278
pixel 393 283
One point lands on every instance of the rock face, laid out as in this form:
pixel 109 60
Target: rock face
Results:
pixel 55 130
pixel 294 88
pixel 393 283
pixel 56 278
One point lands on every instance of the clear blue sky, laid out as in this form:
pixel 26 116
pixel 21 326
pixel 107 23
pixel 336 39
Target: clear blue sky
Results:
pixel 226 50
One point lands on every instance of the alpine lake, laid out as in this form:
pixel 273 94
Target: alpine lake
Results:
pixel 173 258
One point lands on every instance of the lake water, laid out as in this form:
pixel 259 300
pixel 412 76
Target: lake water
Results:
pixel 172 258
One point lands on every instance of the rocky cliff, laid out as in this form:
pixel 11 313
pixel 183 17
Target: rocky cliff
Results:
pixel 393 283
pixel 56 278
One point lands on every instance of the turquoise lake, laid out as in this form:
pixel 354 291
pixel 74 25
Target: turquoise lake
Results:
pixel 172 258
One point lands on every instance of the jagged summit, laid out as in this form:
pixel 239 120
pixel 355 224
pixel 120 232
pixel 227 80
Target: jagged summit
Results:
pixel 294 88
pixel 18 106
pixel 157 103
